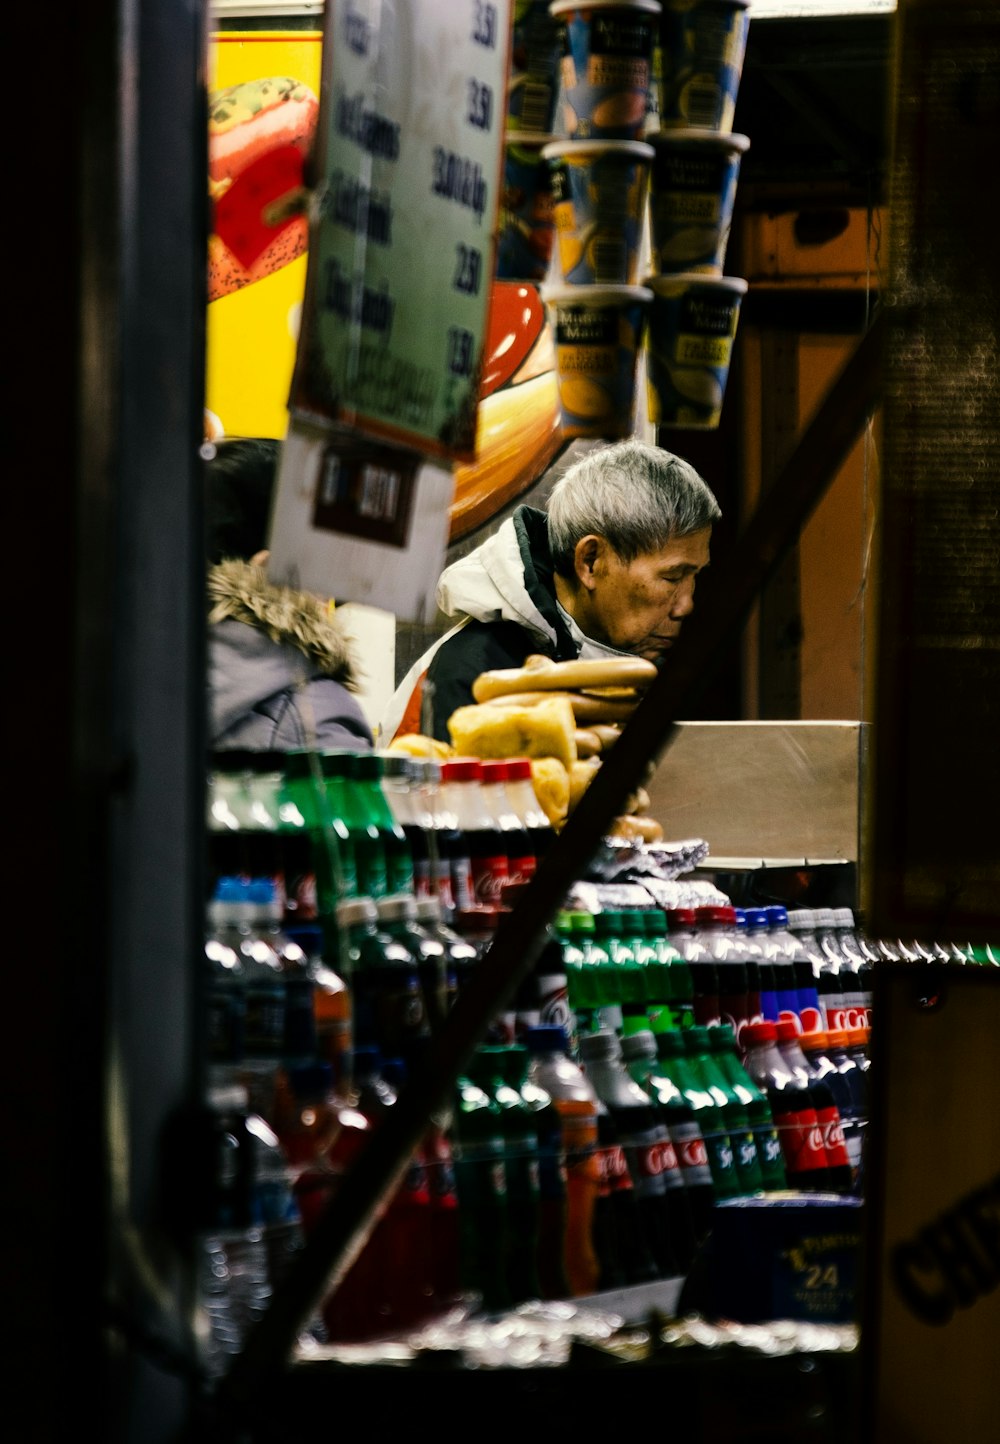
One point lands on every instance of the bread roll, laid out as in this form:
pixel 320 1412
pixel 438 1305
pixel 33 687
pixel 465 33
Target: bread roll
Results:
pixel 539 674
pixel 547 729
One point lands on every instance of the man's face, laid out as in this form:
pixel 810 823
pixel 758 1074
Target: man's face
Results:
pixel 639 606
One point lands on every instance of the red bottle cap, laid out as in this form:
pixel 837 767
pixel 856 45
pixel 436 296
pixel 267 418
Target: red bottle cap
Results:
pixel 764 1032
pixel 462 769
pixel 787 1030
pixel 518 769
pixel 494 770
pixel 681 918
pixel 715 914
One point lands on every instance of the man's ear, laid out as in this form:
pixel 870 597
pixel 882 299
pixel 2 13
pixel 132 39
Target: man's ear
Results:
pixel 589 560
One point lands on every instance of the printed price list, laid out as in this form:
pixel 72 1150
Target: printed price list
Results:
pixel 409 157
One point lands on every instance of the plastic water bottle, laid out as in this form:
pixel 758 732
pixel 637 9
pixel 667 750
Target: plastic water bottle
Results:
pixel 233 1282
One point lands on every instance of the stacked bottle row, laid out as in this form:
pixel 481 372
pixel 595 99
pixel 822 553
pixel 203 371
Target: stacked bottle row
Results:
pixel 336 825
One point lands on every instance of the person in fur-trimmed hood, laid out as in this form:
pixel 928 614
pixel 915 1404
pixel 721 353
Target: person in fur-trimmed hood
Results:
pixel 279 666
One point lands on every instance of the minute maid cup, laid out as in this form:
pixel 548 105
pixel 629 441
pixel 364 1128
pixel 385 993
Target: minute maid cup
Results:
pixel 536 49
pixel 525 229
pixel 599 190
pixel 692 192
pixel 607 60
pixel 702 44
pixel 689 345
pixel 598 332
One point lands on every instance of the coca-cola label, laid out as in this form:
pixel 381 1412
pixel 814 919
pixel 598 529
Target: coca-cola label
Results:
pixel 654 1165
pixel 614 1174
pixel 833 1136
pixel 488 876
pixel 521 869
pixel 811 1019
pixel 692 1155
pixel 802 1141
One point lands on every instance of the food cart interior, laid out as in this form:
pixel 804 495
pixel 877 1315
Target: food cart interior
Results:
pixel 779 662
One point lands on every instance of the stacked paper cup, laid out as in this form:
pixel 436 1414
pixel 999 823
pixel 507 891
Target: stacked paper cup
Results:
pixel 526 230
pixel 599 167
pixel 695 308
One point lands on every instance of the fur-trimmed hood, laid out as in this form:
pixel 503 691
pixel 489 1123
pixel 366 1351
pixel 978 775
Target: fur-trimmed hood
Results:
pixel 240 592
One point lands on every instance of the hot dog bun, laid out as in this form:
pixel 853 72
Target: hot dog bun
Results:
pixel 541 674
pixel 586 710
pixel 245 122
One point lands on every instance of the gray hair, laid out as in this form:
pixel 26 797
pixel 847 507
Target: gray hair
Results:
pixel 638 497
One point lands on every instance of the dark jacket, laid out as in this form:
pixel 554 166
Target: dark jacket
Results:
pixel 505 594
pixel 278 667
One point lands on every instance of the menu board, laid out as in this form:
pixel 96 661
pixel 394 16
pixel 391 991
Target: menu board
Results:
pixel 409 151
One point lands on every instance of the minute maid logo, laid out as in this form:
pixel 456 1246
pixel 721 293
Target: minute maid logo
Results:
pixel 587 328
pixel 708 317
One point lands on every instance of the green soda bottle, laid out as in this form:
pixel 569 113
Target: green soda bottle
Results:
pixel 487 1067
pixel 346 802
pixel 675 1063
pixel 595 958
pixel 725 1052
pixel 477 1146
pixel 703 1062
pixel 669 986
pixel 572 954
pixel 319 854
pixel 368 773
pixel 639 958
pixel 610 968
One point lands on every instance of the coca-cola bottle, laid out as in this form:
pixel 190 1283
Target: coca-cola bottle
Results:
pixel 521 861
pixel 701 959
pixel 857 988
pixel 674 1063
pixel 827 1112
pixel 663 1209
pixel 521 792
pixel 753 925
pixel 820 1055
pixel 640 1057
pixel 461 781
pixel 792 1107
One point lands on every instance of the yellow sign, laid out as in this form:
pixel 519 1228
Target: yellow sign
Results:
pixel 252 331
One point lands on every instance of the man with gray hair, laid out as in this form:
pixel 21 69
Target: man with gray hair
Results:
pixel 608 571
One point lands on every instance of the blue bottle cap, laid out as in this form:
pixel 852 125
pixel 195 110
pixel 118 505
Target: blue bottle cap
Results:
pixel 756 917
pixel 545 1038
pixel 777 916
pixel 230 889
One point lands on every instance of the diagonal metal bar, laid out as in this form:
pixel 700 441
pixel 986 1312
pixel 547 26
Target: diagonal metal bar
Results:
pixel 772 531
